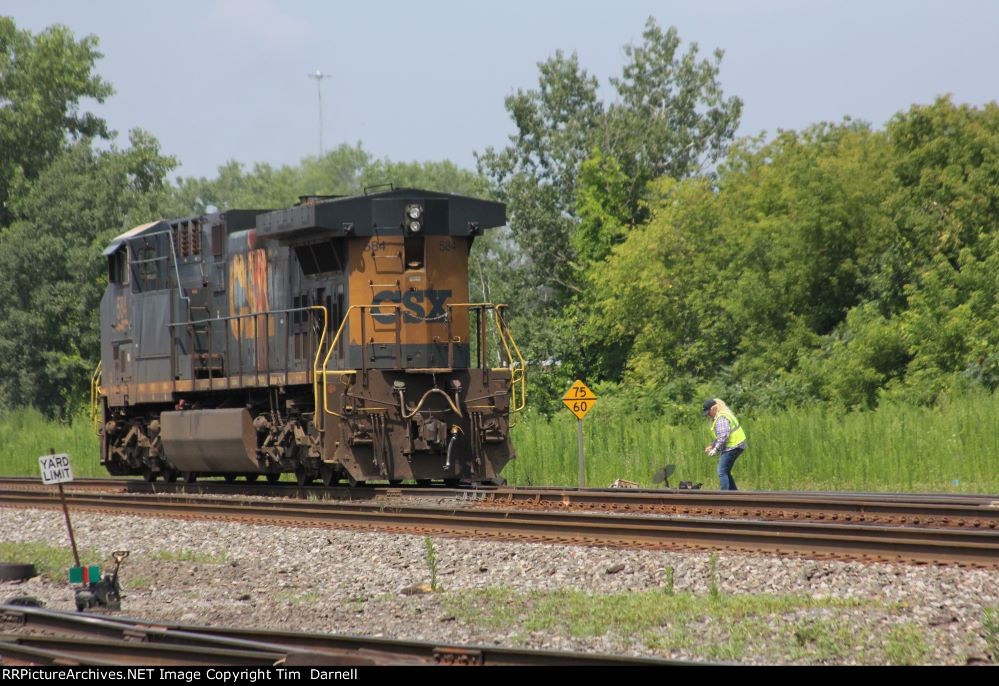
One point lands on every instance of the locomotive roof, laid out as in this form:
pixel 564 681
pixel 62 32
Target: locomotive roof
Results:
pixel 359 215
pixel 134 232
pixel 382 213
pixel 234 220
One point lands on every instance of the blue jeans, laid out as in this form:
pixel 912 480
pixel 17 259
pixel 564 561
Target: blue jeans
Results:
pixel 725 461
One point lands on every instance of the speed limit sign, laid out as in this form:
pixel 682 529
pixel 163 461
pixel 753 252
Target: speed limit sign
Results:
pixel 579 399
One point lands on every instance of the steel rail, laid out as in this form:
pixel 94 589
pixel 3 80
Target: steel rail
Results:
pixel 149 640
pixel 784 506
pixel 92 651
pixel 893 509
pixel 138 485
pixel 868 542
pixel 286 489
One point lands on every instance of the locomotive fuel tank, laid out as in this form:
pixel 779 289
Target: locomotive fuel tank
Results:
pixel 210 441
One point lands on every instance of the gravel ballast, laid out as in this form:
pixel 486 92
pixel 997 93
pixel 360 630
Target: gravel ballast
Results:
pixel 348 582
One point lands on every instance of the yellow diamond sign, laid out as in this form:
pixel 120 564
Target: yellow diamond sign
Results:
pixel 579 399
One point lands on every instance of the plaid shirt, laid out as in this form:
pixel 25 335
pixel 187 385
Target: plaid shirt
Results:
pixel 722 430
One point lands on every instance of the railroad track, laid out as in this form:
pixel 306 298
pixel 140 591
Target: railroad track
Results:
pixel 34 636
pixel 867 542
pixel 892 509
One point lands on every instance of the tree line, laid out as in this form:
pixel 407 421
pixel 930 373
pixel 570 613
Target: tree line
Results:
pixel 647 250
pixel 665 261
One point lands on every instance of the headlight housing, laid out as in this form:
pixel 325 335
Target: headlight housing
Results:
pixel 412 218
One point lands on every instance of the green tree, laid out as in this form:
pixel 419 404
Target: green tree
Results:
pixel 947 213
pixel 536 174
pixel 605 208
pixel 263 186
pixel 733 281
pixel 346 170
pixel 574 176
pixel 837 264
pixel 670 118
pixel 52 274
pixel 43 79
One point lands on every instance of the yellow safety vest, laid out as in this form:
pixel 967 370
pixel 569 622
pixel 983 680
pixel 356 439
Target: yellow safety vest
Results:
pixel 736 435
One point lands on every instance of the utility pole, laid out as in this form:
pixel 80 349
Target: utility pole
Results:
pixel 319 76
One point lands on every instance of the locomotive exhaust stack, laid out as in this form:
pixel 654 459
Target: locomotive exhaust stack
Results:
pixel 335 339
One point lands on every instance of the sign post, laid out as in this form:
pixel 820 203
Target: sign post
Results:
pixel 56 470
pixel 580 400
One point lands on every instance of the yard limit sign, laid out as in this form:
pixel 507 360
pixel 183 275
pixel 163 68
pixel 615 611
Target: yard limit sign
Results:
pixel 57 470
pixel 580 400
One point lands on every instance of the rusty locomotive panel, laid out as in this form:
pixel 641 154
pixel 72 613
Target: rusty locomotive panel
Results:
pixel 333 340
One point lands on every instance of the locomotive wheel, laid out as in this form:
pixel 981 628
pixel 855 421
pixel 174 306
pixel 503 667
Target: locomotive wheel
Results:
pixel 273 477
pixel 302 476
pixel 148 474
pixel 229 478
pixel 452 483
pixel 423 483
pixel 189 477
pixel 251 477
pixel 328 475
pixel 395 482
pixel 169 475
pixel 354 483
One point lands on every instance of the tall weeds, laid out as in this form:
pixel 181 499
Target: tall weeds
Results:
pixel 950 447
pixel 26 434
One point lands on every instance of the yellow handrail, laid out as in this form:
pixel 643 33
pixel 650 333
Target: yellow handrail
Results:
pixel 518 374
pixel 333 344
pixel 95 392
pixel 504 332
pixel 315 384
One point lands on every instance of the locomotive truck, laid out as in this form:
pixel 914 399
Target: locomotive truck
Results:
pixel 334 340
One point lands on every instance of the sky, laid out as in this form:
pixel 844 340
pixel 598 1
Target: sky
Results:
pixel 219 80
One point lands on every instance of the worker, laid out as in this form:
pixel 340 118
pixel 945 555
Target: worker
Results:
pixel 730 440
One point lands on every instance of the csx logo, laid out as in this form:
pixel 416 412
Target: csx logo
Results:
pixel 412 303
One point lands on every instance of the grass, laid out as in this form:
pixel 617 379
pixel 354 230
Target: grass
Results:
pixel 430 556
pixel 947 448
pixel 584 614
pixel 26 434
pixel 713 562
pixel 727 628
pixel 293 598
pixel 668 580
pixel 136 583
pixel 820 639
pixel 51 562
pixel 990 625
pixel 905 645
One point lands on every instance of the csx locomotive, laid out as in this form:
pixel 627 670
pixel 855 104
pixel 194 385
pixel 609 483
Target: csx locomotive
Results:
pixel 334 340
